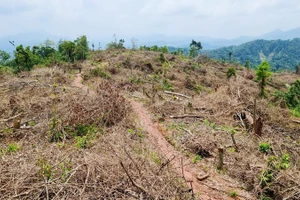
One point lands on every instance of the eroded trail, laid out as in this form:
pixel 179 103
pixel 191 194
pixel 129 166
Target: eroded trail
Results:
pixel 189 171
pixel 179 162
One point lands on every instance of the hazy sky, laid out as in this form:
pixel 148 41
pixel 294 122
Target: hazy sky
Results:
pixel 98 18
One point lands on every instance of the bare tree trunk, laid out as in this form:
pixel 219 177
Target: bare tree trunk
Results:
pixel 234 142
pixel 254 125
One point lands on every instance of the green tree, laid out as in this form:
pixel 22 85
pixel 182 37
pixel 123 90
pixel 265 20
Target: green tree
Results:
pixel 292 97
pixel 194 48
pixel 24 58
pixel 262 74
pixel 67 50
pixel 164 49
pixel 82 48
pixel 247 64
pixel 4 58
pixel 230 55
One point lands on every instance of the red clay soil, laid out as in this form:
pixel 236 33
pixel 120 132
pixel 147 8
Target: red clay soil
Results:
pixel 189 171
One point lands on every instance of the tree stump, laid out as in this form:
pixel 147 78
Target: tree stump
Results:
pixel 258 127
pixel 221 158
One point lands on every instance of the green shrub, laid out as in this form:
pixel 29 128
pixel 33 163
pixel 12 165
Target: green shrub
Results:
pixel 285 161
pixel 167 85
pixel 231 72
pixel 264 147
pixel 98 72
pixel 82 142
pixel 197 159
pixel 233 194
pixel 46 170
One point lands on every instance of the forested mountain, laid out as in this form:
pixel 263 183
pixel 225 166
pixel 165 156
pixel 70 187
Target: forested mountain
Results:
pixel 281 54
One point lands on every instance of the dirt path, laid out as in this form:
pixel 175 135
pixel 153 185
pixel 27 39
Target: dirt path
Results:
pixel 77 82
pixel 190 171
pixel 219 188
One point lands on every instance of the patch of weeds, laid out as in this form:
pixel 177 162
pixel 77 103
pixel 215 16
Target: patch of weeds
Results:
pixel 156 77
pixel 198 88
pixel 136 133
pixel 167 85
pixel 231 149
pixel 46 170
pixel 233 194
pixel 83 130
pixel 31 123
pixel 55 134
pixel 8 131
pixel 263 197
pixel 82 142
pixel 12 148
pixel 197 159
pixel 264 147
pixel 135 80
pixel 210 124
pixel 176 126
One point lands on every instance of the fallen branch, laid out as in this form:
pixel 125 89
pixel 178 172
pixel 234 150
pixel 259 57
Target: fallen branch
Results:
pixel 186 116
pixel 295 121
pixel 188 131
pixel 178 94
pixel 11 118
pixel 133 182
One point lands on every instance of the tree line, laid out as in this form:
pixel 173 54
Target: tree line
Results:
pixel 25 57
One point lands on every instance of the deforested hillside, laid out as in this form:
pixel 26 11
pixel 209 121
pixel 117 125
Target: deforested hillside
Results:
pixel 139 124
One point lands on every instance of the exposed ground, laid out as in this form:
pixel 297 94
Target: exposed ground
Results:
pixel 115 134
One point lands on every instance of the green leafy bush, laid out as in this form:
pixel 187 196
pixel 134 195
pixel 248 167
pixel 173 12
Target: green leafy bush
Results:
pixel 167 85
pixel 98 72
pixel 264 147
pixel 231 72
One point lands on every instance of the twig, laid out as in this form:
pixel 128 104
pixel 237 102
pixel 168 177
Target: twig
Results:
pixel 188 131
pixel 165 164
pixel 86 181
pixel 178 94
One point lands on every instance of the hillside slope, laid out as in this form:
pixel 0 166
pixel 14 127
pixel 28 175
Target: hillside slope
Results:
pixel 86 138
pixel 282 54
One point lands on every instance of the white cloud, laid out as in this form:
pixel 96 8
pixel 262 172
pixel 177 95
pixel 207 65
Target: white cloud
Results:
pixel 217 18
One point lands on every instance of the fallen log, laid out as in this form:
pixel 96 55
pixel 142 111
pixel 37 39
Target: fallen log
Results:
pixel 178 94
pixel 186 116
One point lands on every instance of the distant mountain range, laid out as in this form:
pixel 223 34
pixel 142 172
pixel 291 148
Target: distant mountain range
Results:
pixel 31 39
pixel 215 43
pixel 281 54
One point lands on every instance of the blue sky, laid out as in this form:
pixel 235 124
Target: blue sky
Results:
pixel 103 18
